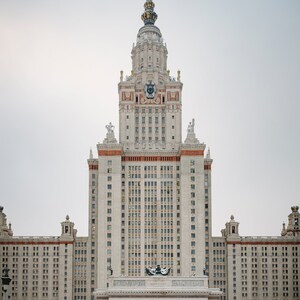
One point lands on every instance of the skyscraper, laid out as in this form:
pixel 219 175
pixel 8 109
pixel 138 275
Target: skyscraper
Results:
pixel 149 191
pixel 149 205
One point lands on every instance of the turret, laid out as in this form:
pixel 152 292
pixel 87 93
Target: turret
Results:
pixel 150 52
pixel 67 229
pixel 231 229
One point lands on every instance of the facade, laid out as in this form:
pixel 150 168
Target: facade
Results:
pixel 149 205
pixel 195 287
pixel 44 267
pixel 149 187
pixel 257 267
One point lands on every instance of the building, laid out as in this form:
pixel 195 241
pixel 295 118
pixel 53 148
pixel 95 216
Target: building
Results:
pixel 257 267
pixel 40 267
pixel 242 267
pixel 149 187
pixel 150 204
pixel 44 267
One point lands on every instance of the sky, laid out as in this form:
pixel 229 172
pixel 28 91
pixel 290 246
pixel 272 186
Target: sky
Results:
pixel 60 64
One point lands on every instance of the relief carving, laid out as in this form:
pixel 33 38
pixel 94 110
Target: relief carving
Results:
pixel 156 100
pixel 173 96
pixel 127 96
pixel 129 282
pixel 187 283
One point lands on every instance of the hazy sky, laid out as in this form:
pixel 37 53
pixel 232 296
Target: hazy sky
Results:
pixel 59 69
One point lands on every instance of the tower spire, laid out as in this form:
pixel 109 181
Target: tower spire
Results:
pixel 149 16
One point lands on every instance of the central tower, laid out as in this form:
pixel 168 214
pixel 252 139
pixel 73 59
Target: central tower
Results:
pixel 149 99
pixel 149 192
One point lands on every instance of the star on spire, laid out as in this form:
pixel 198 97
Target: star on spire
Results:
pixel 149 16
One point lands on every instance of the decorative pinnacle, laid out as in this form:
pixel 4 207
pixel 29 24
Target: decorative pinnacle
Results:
pixel 149 16
pixel 208 154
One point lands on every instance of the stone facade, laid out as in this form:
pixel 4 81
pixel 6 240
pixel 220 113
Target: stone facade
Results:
pixel 40 267
pixel 242 267
pixel 257 267
pixel 195 287
pixel 149 188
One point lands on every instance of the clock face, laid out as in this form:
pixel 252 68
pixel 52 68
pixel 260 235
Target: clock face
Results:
pixel 150 90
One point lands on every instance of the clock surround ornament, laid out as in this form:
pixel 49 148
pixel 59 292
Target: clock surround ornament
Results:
pixel 150 90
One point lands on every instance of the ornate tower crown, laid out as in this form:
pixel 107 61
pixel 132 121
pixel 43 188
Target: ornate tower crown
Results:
pixel 149 16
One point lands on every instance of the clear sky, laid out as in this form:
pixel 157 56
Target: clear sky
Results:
pixel 59 70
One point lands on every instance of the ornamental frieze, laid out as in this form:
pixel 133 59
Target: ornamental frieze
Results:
pixel 144 100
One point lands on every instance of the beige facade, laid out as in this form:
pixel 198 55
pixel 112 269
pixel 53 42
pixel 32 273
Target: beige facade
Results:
pixel 162 287
pixel 257 267
pixel 44 267
pixel 149 191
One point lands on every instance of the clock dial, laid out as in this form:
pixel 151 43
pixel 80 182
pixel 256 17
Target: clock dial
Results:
pixel 150 90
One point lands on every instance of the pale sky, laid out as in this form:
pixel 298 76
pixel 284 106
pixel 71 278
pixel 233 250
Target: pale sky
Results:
pixel 59 68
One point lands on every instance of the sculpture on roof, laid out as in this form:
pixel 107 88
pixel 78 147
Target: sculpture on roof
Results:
pixel 110 128
pixel 110 135
pixel 191 136
pixel 158 271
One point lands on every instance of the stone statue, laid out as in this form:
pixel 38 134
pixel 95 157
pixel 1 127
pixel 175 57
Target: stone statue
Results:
pixel 158 271
pixel 191 136
pixel 110 135
pixel 110 128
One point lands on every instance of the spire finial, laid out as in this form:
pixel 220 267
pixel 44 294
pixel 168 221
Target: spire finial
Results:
pixel 91 154
pixel 149 16
pixel 208 154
